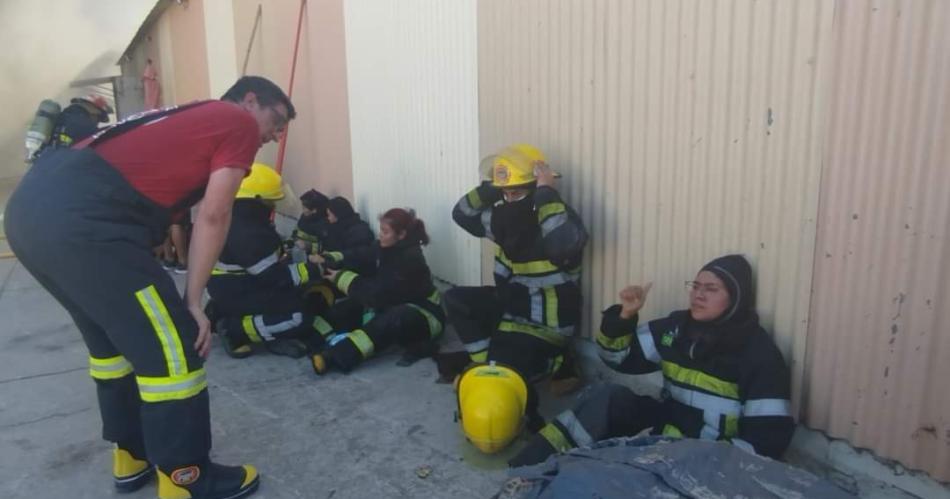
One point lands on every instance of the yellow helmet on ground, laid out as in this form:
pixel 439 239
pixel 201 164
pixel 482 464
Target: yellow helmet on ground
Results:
pixel 492 400
pixel 263 182
pixel 513 166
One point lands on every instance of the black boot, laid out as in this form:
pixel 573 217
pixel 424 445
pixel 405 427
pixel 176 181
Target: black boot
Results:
pixel 537 450
pixel 207 481
pixel 235 342
pixel 418 351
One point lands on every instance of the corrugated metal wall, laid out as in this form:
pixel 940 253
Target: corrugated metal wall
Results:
pixel 685 130
pixel 879 343
pixel 411 68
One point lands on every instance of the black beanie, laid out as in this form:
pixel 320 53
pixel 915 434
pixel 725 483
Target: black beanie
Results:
pixel 314 200
pixel 736 273
pixel 341 208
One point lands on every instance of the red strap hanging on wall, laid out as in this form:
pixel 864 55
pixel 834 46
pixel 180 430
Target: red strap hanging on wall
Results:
pixel 290 88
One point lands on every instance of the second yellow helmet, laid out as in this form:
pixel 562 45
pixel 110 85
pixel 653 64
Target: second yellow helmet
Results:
pixel 263 182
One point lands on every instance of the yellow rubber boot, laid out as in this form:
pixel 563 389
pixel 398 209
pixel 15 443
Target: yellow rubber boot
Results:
pixel 208 481
pixel 129 474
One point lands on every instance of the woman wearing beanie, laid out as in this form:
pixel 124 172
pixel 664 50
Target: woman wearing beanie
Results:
pixel 347 232
pixel 396 305
pixel 723 376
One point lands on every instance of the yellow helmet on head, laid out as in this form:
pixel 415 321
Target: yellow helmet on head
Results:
pixel 263 182
pixel 513 166
pixel 492 401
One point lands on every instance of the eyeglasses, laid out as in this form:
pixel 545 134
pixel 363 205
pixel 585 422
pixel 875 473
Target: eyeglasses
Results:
pixel 702 288
pixel 280 120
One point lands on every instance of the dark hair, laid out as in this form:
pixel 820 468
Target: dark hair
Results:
pixel 314 200
pixel 267 92
pixel 405 220
pixel 341 208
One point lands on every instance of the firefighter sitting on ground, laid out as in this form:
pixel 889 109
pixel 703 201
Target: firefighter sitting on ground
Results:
pixel 256 295
pixel 313 224
pixel 346 232
pixel 724 378
pixel 525 322
pixel 397 305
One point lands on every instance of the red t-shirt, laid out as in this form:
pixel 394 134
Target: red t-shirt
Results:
pixel 171 157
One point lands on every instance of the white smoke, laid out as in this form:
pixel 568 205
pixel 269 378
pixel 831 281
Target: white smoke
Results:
pixel 46 44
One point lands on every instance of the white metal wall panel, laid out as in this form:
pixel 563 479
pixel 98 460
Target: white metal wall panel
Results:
pixel 685 129
pixel 412 78
pixel 879 340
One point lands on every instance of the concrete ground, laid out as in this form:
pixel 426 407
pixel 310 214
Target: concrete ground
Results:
pixel 367 434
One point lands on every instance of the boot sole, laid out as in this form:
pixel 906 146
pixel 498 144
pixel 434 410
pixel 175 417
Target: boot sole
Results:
pixel 129 484
pixel 246 491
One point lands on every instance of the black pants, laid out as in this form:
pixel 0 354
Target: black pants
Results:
pixel 475 313
pixel 86 235
pixel 262 313
pixel 602 411
pixel 367 332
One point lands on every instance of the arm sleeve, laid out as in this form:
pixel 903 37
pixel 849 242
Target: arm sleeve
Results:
pixel 562 230
pixel 624 346
pixel 274 272
pixel 766 422
pixel 473 211
pixel 374 292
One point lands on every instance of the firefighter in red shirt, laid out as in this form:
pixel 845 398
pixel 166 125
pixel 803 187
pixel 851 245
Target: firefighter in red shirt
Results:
pixel 83 222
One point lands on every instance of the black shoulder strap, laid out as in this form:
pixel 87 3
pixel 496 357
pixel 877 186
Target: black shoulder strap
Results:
pixel 138 119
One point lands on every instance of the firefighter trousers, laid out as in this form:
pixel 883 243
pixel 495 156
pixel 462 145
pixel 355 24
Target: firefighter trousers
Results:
pixel 260 314
pixel 355 333
pixel 86 236
pixel 475 312
pixel 602 411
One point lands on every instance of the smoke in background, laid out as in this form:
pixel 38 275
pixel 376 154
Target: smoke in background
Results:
pixel 46 44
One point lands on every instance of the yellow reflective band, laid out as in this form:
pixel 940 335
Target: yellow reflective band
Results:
pixel 345 279
pixel 110 368
pixel 334 256
pixel 247 323
pixel 554 437
pixel 362 342
pixel 164 328
pixel 322 326
pixel 699 379
pixel 167 388
pixel 435 298
pixel 474 199
pixel 435 325
pixel 526 268
pixel 304 274
pixel 615 344
pixel 550 209
pixel 306 236
pixel 672 431
pixel 539 332
pixel 550 307
pixel 732 426
pixel 479 357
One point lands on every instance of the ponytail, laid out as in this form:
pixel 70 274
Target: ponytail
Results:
pixel 402 220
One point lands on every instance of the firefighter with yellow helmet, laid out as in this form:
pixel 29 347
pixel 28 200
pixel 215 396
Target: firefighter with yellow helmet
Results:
pixel 256 294
pixel 526 320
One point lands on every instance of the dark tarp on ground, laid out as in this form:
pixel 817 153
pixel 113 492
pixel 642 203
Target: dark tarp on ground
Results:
pixel 662 467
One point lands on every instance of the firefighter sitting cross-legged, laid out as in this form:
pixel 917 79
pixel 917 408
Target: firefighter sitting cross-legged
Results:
pixel 257 296
pixel 724 378
pixel 525 322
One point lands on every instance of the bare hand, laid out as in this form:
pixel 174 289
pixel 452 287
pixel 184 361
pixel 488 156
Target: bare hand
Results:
pixel 300 243
pixel 544 174
pixel 632 299
pixel 316 258
pixel 330 274
pixel 203 343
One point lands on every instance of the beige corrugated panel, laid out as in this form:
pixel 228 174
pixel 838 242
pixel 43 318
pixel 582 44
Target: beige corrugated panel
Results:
pixel 879 342
pixel 411 68
pixel 685 130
